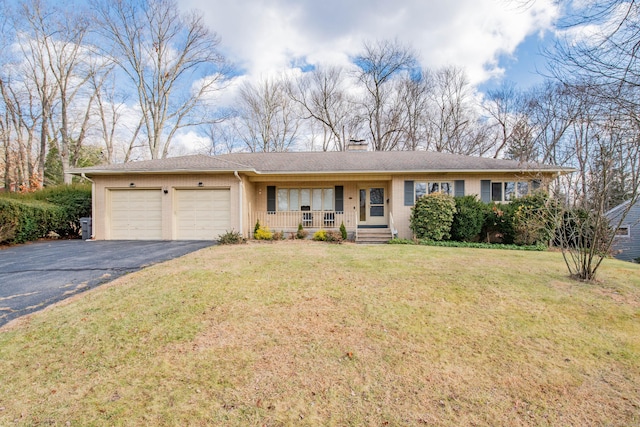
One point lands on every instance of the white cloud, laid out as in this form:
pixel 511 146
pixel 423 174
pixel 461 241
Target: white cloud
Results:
pixel 263 37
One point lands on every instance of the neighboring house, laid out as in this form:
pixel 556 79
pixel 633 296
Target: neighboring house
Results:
pixel 626 243
pixel 201 197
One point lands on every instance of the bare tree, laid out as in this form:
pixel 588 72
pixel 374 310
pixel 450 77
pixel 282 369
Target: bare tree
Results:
pixel 35 66
pixel 19 129
pixel 221 138
pixel 379 67
pixel 598 63
pixel 507 108
pixel 323 97
pixel 60 39
pixel 551 111
pixel 604 145
pixel 115 128
pixel 416 89
pixel 454 124
pixel 266 118
pixel 601 46
pixel 171 60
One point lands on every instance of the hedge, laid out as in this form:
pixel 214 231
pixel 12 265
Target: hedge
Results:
pixel 24 220
pixel 25 217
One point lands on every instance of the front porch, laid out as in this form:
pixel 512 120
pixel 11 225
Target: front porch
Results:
pixel 359 205
pixel 311 221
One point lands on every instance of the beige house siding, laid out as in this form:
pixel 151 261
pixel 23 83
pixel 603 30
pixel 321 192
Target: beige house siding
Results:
pixel 350 184
pixel 248 194
pixel 103 185
pixel 402 213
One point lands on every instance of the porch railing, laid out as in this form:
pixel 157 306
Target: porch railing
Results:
pixel 288 221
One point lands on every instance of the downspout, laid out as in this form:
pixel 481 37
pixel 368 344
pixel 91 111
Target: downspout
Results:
pixel 93 201
pixel 240 186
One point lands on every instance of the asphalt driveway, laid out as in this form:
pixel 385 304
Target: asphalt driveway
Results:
pixel 36 275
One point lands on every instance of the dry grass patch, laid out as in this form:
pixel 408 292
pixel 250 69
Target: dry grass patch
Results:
pixel 313 334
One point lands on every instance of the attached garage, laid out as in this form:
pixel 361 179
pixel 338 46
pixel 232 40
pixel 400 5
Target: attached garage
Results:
pixel 135 214
pixel 202 214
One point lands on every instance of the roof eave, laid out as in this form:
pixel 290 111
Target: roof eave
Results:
pixel 414 171
pixel 94 172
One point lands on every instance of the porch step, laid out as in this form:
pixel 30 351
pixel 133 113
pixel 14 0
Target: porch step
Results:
pixel 373 235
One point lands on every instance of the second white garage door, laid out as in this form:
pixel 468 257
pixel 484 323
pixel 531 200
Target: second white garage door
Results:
pixel 202 214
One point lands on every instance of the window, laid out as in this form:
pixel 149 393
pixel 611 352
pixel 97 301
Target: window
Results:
pixel 509 190
pixel 496 191
pixel 297 199
pixel 623 231
pixel 422 188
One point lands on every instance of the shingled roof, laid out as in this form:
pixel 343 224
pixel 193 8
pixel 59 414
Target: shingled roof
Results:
pixel 323 162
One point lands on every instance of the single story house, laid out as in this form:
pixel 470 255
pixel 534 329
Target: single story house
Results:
pixel 200 197
pixel 626 243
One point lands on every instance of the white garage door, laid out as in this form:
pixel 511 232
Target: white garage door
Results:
pixel 202 214
pixel 136 214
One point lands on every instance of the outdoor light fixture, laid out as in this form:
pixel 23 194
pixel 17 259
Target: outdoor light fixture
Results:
pixel 165 190
pixel 132 185
pixel 200 184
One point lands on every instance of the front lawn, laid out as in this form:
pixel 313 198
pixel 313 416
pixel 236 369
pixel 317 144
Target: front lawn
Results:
pixel 302 333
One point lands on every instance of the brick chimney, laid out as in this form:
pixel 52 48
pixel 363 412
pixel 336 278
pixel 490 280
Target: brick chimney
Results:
pixel 357 145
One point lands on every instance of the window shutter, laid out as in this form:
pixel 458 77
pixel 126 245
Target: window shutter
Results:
pixel 271 198
pixel 485 190
pixel 339 196
pixel 458 190
pixel 408 193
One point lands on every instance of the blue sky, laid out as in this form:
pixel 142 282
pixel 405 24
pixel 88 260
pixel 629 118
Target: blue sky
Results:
pixel 493 40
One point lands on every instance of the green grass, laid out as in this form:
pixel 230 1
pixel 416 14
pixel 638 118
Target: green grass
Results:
pixel 301 333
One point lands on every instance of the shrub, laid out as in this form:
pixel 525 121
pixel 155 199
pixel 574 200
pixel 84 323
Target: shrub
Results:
pixel 468 219
pixel 432 215
pixel 453 244
pixel 33 215
pixel 278 235
pixel 532 221
pixel 401 242
pixel 343 231
pixel 301 233
pixel 25 220
pixel 320 235
pixel 231 238
pixel 256 228
pixel 334 236
pixel 74 200
pixel 8 230
pixel 497 225
pixel 263 233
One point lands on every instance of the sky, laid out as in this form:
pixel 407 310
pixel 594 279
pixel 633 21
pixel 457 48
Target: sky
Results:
pixel 493 40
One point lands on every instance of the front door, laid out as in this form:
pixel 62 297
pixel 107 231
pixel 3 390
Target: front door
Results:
pixel 372 207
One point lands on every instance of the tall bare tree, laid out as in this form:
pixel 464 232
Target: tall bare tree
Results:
pixel 598 63
pixel 323 96
pixel 33 42
pixel 114 128
pixel 454 124
pixel 172 61
pixel 267 119
pixel 59 36
pixel 415 91
pixel 551 110
pixel 380 65
pixel 506 106
pixel 18 130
